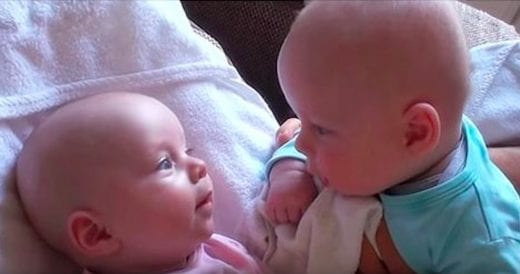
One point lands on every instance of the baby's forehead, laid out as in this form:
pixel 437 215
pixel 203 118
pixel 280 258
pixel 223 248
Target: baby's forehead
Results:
pixel 101 125
pixel 106 113
pixel 402 50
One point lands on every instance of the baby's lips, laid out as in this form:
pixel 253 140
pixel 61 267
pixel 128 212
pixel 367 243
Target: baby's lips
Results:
pixel 206 198
pixel 324 181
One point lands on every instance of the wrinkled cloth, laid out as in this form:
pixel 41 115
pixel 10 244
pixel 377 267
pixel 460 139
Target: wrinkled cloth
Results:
pixel 494 103
pixel 54 52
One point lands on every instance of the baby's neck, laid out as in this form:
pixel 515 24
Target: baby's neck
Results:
pixel 445 155
pixel 435 169
pixel 449 164
pixel 157 270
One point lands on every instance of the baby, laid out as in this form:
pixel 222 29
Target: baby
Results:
pixel 109 181
pixel 380 89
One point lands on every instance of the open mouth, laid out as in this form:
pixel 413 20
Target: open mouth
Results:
pixel 207 199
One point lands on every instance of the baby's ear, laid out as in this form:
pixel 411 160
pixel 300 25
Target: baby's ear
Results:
pixel 89 235
pixel 422 128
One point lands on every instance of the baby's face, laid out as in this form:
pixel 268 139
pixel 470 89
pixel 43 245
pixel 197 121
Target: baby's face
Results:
pixel 350 144
pixel 159 203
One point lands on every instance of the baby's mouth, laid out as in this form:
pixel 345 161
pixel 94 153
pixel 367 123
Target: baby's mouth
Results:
pixel 324 181
pixel 207 199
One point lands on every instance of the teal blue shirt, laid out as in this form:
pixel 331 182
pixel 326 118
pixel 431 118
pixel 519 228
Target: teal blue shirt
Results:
pixel 286 151
pixel 468 224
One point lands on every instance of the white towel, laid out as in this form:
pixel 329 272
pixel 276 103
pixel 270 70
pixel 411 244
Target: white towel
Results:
pixel 53 52
pixel 328 237
pixel 494 104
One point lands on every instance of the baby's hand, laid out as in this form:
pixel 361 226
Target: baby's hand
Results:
pixel 287 130
pixel 291 191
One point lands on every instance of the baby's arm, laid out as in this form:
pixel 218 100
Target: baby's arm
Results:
pixel 291 187
pixel 507 159
pixel 369 261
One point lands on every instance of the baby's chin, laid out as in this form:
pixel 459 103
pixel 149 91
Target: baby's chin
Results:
pixel 356 190
pixel 209 229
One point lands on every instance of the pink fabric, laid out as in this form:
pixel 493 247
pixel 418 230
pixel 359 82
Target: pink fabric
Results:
pixel 221 254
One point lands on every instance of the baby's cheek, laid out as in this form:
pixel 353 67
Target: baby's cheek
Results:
pixel 331 163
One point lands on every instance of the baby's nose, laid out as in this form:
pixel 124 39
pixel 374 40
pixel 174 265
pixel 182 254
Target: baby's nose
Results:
pixel 303 143
pixel 197 169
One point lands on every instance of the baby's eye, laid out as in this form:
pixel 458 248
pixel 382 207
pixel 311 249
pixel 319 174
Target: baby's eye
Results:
pixel 165 163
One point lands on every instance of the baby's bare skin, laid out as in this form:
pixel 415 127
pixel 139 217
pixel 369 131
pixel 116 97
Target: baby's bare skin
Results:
pixel 108 181
pixel 380 90
pixel 391 261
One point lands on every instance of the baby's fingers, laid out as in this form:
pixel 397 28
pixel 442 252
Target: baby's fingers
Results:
pixel 294 214
pixel 287 130
pixel 275 214
pixel 270 213
pixel 281 216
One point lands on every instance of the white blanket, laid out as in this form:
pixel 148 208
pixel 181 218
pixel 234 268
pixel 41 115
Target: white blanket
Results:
pixel 328 237
pixel 53 52
pixel 494 104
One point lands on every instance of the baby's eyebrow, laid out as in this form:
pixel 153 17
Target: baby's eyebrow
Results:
pixel 318 125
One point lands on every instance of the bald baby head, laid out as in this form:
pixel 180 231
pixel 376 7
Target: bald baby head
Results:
pixel 367 70
pixel 69 161
pixel 386 46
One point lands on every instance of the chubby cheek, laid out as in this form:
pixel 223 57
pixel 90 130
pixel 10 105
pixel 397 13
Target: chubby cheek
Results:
pixel 178 210
pixel 168 206
pixel 324 164
pixel 333 167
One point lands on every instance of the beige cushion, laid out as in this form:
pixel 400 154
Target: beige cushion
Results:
pixel 481 28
